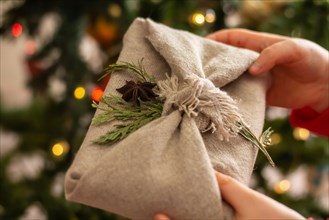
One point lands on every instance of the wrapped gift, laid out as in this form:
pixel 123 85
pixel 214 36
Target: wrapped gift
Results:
pixel 167 165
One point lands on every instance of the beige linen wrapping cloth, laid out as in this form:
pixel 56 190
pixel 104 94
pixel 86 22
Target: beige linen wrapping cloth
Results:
pixel 167 166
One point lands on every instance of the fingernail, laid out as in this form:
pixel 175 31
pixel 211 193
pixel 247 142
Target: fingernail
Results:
pixel 222 179
pixel 255 68
pixel 161 217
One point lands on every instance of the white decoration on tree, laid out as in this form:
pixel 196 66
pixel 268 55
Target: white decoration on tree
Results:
pixel 25 166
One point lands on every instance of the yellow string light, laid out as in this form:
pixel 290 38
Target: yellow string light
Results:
pixel 114 10
pixel 301 134
pixel 60 148
pixel 198 18
pixel 210 16
pixel 275 138
pixel 57 150
pixel 79 92
pixel 282 186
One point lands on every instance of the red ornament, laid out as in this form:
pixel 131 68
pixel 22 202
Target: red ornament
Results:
pixel 96 94
pixel 17 30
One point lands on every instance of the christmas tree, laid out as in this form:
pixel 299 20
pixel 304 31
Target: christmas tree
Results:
pixel 66 46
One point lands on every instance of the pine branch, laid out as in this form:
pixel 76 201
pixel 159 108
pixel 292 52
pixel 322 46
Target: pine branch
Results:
pixel 137 116
pixel 134 117
pixel 137 71
pixel 261 143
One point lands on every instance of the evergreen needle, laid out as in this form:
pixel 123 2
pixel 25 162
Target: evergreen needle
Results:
pixel 261 143
pixel 137 71
pixel 132 117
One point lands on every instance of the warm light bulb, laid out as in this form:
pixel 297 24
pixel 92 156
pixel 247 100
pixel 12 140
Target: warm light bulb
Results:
pixel 114 10
pixel 97 94
pixel 275 138
pixel 210 16
pixel 79 92
pixel 60 148
pixel 282 186
pixel 301 134
pixel 198 18
pixel 57 150
pixel 16 30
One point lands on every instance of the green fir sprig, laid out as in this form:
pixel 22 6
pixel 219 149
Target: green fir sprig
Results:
pixel 129 116
pixel 132 117
pixel 263 142
pixel 137 70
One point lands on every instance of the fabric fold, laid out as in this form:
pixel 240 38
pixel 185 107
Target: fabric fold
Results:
pixel 198 98
pixel 159 171
pixel 168 165
pixel 188 54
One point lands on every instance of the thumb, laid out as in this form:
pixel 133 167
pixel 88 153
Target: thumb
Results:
pixel 161 217
pixel 250 204
pixel 230 188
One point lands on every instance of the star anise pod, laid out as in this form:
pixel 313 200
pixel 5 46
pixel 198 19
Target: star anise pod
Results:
pixel 132 91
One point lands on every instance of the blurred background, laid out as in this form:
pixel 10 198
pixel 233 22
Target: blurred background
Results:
pixel 52 53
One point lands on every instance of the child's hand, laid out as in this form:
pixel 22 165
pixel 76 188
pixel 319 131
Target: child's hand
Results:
pixel 300 68
pixel 247 203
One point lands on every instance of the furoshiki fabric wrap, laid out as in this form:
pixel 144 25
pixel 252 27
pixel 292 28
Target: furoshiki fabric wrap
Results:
pixel 167 166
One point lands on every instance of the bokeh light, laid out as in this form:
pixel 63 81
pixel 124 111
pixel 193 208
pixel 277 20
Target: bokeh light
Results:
pixel 97 94
pixel 17 30
pixel 275 138
pixel 79 92
pixel 282 186
pixel 198 18
pixel 210 16
pixel 301 134
pixel 114 10
pixel 60 148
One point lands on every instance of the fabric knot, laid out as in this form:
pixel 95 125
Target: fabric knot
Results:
pixel 213 109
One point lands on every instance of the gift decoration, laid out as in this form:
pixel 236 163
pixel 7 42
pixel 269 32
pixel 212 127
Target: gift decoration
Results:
pixel 186 99
pixel 177 107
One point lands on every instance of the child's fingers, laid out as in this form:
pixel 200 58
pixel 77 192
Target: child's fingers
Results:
pixel 246 39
